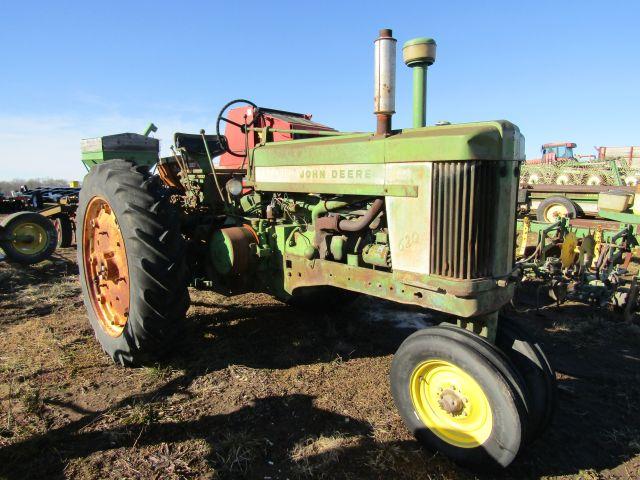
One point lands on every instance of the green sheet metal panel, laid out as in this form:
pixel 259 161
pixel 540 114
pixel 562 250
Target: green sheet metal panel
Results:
pixel 139 149
pixel 498 140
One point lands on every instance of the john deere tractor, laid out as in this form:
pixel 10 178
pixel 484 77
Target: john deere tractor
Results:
pixel 275 202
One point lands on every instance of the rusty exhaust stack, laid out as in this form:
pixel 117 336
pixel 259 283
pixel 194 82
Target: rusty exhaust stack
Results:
pixel 385 81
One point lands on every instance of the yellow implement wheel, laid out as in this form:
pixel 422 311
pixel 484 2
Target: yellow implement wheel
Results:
pixel 27 237
pixel 551 209
pixel 30 238
pixel 451 403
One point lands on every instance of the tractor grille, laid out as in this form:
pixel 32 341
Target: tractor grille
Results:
pixel 464 196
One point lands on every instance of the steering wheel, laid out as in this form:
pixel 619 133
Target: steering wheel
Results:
pixel 221 138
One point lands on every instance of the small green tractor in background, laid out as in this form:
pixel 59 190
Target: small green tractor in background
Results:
pixel 278 203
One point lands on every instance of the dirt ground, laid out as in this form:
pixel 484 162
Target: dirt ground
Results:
pixel 256 389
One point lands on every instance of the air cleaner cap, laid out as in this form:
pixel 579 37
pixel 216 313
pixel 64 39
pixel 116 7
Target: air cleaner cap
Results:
pixel 419 51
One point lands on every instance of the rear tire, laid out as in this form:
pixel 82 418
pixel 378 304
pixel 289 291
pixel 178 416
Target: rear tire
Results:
pixel 481 422
pixel 28 224
pixel 155 261
pixel 64 230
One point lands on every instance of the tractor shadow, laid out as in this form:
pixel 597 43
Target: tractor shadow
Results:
pixel 278 336
pixel 240 444
pixel 246 443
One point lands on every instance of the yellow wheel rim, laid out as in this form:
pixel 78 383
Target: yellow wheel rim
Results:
pixel 29 238
pixel 554 211
pixel 451 404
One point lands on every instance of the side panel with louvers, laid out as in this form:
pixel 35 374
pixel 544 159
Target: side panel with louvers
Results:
pixel 463 217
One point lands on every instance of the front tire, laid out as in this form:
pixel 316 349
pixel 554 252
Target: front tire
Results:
pixel 457 401
pixel 132 262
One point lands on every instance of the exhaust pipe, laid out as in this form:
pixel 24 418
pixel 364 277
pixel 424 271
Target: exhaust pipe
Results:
pixel 384 81
pixel 419 54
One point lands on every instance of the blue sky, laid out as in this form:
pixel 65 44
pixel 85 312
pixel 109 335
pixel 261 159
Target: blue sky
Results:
pixel 560 70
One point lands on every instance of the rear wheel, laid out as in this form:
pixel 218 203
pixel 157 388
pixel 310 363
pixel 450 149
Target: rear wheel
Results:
pixel 64 230
pixel 27 237
pixel 458 401
pixel 132 262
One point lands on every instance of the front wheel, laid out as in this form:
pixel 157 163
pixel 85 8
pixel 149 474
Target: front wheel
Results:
pixel 458 401
pixel 132 262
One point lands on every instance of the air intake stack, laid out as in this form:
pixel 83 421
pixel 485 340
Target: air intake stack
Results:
pixel 419 54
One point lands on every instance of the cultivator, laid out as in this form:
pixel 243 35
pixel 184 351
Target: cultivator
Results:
pixel 584 261
pixel 282 204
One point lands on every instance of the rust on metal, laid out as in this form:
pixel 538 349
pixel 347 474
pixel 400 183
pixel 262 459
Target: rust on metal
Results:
pixel 451 402
pixel 485 297
pixel 383 124
pixel 105 264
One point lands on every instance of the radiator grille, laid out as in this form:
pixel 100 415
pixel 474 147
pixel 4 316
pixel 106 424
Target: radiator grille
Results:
pixel 463 209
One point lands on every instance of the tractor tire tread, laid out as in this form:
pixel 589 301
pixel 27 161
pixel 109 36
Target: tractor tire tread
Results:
pixel 157 269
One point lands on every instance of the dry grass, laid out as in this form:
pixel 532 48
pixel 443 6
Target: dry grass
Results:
pixel 45 288
pixel 236 452
pixel 316 453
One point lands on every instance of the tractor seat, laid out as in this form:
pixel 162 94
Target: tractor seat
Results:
pixel 193 144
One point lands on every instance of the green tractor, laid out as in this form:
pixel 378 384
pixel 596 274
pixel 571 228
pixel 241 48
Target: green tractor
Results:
pixel 278 203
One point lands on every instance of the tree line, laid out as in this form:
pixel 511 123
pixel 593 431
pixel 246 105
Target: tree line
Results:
pixel 8 186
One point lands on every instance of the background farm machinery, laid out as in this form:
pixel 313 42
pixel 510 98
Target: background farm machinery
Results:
pixel 590 261
pixel 560 165
pixel 563 183
pixel 56 203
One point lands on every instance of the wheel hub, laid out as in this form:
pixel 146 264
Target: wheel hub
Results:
pixel 105 263
pixel 451 402
pixel 29 238
pixel 555 212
